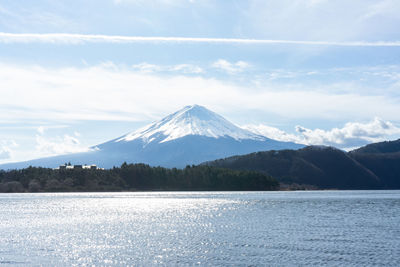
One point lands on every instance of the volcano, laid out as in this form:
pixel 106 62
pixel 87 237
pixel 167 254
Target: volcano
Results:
pixel 189 136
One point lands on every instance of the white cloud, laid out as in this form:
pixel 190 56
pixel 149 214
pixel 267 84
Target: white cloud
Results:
pixel 180 68
pixel 229 67
pixel 147 68
pixel 41 129
pixel 17 17
pixel 379 9
pixel 110 92
pixel 58 145
pixel 352 134
pixel 6 149
pixel 323 20
pixel 273 133
pixel 5 153
pixel 68 38
pixel 186 68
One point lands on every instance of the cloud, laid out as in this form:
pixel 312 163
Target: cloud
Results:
pixel 322 19
pixel 182 68
pixel 186 68
pixel 6 149
pixel 229 67
pixel 18 17
pixel 293 20
pixel 109 92
pixel 352 134
pixel 69 38
pixel 41 129
pixel 146 67
pixel 5 153
pixel 58 145
pixel 273 133
pixel 51 146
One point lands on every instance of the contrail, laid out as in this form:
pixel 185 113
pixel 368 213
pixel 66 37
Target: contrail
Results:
pixel 68 38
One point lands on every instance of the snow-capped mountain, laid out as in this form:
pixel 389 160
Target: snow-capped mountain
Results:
pixel 191 135
pixel 191 120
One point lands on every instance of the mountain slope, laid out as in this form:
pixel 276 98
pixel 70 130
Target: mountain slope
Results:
pixel 325 167
pixel 381 147
pixel 191 120
pixel 191 135
pixel 383 159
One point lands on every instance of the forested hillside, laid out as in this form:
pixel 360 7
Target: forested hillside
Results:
pixel 383 159
pixel 323 167
pixel 375 166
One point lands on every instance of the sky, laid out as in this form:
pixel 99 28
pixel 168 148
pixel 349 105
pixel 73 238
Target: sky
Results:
pixel 74 74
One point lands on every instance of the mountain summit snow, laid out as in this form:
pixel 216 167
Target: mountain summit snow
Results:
pixel 191 135
pixel 191 120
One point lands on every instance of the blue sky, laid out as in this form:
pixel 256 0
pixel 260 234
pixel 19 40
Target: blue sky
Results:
pixel 77 73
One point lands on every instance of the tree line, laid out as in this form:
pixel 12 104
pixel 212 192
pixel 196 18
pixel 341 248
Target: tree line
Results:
pixel 133 177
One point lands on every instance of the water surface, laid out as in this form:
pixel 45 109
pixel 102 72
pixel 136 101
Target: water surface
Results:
pixel 334 228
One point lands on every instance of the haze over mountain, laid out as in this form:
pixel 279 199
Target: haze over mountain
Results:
pixel 191 135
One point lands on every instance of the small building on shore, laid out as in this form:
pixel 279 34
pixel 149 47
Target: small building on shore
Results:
pixel 79 167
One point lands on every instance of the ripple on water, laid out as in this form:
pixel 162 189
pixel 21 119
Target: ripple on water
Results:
pixel 338 228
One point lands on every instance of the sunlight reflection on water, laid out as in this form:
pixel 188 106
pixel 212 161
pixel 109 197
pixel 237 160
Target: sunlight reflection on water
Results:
pixel 204 228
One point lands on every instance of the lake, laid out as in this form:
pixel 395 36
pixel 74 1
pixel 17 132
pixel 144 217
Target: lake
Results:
pixel 333 228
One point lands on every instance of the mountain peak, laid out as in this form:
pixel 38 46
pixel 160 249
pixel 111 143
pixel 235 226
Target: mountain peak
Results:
pixel 195 106
pixel 190 120
pixel 193 111
pixel 191 135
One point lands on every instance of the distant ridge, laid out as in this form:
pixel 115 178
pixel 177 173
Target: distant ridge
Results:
pixel 375 166
pixel 323 167
pixel 383 159
pixel 381 147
